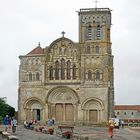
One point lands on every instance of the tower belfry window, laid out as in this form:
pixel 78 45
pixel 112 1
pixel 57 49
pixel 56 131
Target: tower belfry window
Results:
pixel 89 33
pixel 98 32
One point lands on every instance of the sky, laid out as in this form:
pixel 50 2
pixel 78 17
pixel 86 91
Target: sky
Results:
pixel 24 23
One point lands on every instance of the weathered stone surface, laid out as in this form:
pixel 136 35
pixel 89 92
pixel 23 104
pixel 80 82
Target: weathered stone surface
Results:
pixel 70 81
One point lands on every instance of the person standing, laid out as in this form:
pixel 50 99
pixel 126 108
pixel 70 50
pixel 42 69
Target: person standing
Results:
pixel 6 122
pixel 122 123
pixel 9 123
pixel 111 127
pixel 13 124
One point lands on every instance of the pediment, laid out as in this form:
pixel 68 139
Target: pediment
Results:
pixel 63 41
pixel 63 47
pixel 60 45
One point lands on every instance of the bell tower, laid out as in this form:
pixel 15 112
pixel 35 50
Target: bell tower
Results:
pixel 94 24
pixel 96 54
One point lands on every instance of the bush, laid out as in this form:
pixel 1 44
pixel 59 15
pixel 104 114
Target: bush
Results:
pixel 51 130
pixel 67 134
pixel 1 119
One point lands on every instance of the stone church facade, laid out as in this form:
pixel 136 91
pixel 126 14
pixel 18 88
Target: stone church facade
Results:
pixel 70 81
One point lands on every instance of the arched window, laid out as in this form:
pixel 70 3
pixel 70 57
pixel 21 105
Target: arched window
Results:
pixel 97 49
pixel 89 33
pixel 62 69
pixel 89 75
pixel 118 113
pixel 98 32
pixel 88 50
pixel 30 76
pixel 68 70
pixel 56 70
pixel 108 34
pixel 97 75
pixel 37 76
pixel 51 72
pixel 74 72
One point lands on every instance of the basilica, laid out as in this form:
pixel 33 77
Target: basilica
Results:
pixel 70 81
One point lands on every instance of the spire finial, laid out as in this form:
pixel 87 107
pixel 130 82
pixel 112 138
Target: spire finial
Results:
pixel 63 33
pixel 38 44
pixel 96 1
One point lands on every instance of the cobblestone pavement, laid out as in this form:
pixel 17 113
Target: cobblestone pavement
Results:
pixel 94 133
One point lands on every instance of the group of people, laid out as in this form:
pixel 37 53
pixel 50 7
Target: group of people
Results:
pixel 10 123
pixel 111 125
pixel 51 121
pixel 30 123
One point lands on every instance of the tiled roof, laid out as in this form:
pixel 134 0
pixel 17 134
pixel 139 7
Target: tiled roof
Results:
pixel 127 107
pixel 37 50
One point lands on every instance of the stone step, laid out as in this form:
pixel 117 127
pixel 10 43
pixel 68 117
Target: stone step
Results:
pixel 12 137
pixel 5 134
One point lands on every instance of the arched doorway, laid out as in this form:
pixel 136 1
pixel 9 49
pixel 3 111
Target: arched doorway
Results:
pixel 36 114
pixel 92 110
pixel 62 104
pixel 33 108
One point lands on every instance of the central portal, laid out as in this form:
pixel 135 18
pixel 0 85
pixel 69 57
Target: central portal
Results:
pixel 63 103
pixel 64 112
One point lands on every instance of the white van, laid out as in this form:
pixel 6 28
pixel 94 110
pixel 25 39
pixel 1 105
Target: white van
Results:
pixel 117 122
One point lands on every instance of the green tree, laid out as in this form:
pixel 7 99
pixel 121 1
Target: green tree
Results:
pixel 5 109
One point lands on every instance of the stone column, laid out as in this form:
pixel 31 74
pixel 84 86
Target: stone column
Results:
pixel 75 112
pixel 80 113
pixel 98 114
pixel 83 116
pixel 88 115
pixel 41 115
pixel 43 73
pixel 31 114
pixel 65 73
pixel 28 114
pixel 71 73
pixel 46 110
pixel 53 111
pixel 64 112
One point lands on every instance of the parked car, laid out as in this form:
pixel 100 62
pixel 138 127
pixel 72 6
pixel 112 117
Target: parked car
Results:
pixel 117 122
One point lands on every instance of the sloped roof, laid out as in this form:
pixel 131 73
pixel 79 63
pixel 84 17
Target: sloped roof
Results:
pixel 127 107
pixel 36 51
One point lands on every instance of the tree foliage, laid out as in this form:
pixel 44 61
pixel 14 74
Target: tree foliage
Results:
pixel 6 109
